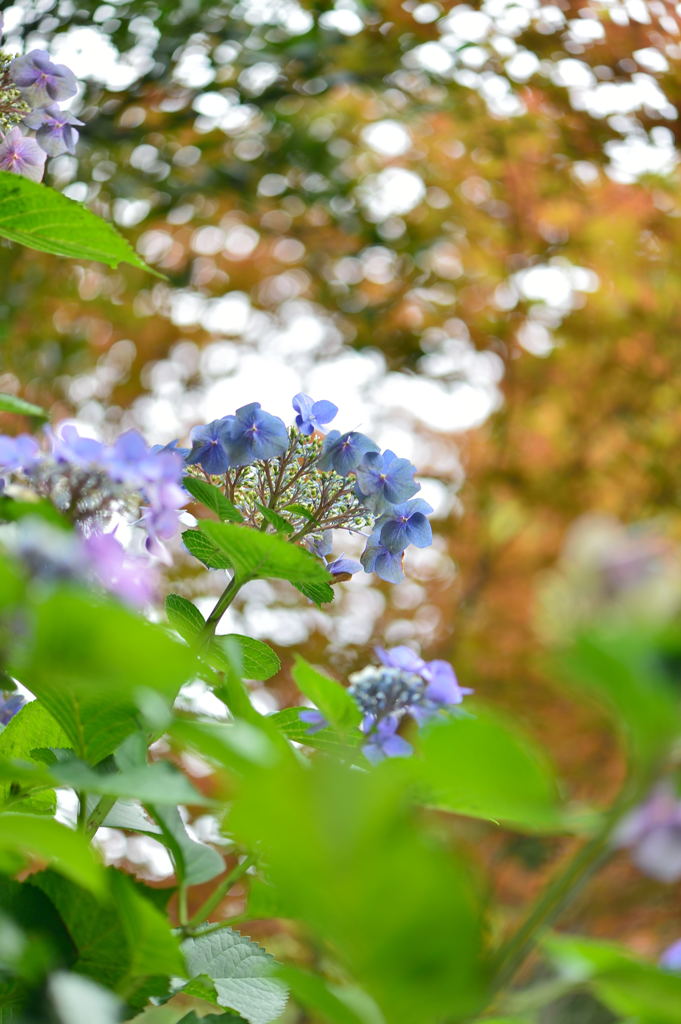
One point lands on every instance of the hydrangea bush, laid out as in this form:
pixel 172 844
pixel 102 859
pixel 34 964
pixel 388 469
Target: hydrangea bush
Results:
pixel 334 831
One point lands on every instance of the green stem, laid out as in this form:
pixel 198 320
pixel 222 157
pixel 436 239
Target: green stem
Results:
pixel 564 886
pixel 98 814
pixel 182 909
pixel 82 810
pixel 221 606
pixel 220 891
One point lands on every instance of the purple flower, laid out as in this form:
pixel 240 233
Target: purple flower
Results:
pixel 17 452
pixel 384 742
pixel 401 657
pixel 384 480
pixel 9 706
pixel 312 415
pixel 127 456
pixel 55 129
pixel 172 446
pixel 253 434
pixel 386 564
pixel 344 452
pixel 70 446
pixel 315 720
pixel 443 686
pixel 343 566
pixel 406 524
pixel 40 81
pixel 21 155
pixel 132 579
pixel 209 447
pixel 671 958
pixel 653 834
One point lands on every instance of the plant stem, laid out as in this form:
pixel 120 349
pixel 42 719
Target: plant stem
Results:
pixel 82 810
pixel 221 606
pixel 563 887
pixel 220 891
pixel 97 816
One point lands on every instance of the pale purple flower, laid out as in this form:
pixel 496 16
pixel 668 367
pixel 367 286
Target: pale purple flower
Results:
pixel 314 719
pixel 253 434
pixel 9 706
pixel 343 566
pixel 17 452
pixel 443 686
pixel 653 834
pixel 344 452
pixel 401 657
pixel 384 480
pixel 384 742
pixel 22 155
pixel 131 578
pixel 41 82
pixel 55 129
pixel 671 958
pixel 313 415
pixel 68 445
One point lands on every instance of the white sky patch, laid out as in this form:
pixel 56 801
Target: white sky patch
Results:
pixel 387 137
pixel 89 54
pixel 390 192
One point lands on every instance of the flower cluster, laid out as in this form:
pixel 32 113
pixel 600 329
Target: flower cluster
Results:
pixel 31 89
pixel 315 483
pixel 91 484
pixel 653 834
pixel 402 686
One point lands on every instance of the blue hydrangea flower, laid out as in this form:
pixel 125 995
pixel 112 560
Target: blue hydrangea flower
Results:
pixel 126 458
pixel 312 415
pixel 56 130
pixel 344 452
pixel 377 558
pixel 343 566
pixel 41 82
pixel 209 447
pixel 172 446
pixel 22 155
pixel 384 480
pixel 17 452
pixel 68 445
pixel 253 434
pixel 340 566
pixel 385 742
pixel 9 706
pixel 314 719
pixel 401 657
pixel 406 524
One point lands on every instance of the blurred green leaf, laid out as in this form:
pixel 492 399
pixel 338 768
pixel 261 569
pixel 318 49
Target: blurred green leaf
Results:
pixel 256 555
pixel 213 498
pixel 280 524
pixel 332 699
pixel 240 971
pixel 483 766
pixel 333 1003
pixel 78 1000
pixel 88 660
pixel 290 724
pixel 33 728
pixel 319 593
pixel 42 218
pixel 19 406
pixel 68 851
pixel 158 782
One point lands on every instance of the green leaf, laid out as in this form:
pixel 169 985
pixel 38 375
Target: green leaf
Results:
pixel 33 728
pixel 198 545
pixel 332 699
pixel 184 617
pixel 125 944
pixel 319 593
pixel 88 661
pixel 68 851
pixel 333 1003
pixel 629 986
pixel 280 524
pixel 213 498
pixel 301 510
pixel 159 782
pixel 482 766
pixel 290 724
pixel 44 219
pixel 240 971
pixel 251 659
pixel 194 862
pixel 257 555
pixel 624 670
pixel 78 1000
pixel 211 1018
pixel 10 403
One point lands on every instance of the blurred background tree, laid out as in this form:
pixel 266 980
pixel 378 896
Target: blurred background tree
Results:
pixel 461 223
